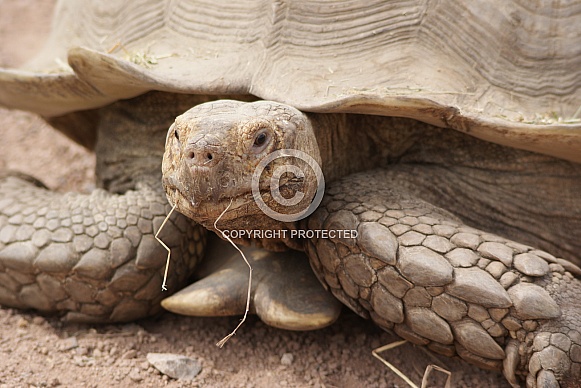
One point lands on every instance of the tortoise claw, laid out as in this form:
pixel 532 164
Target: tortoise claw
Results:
pixel 284 294
pixel 510 363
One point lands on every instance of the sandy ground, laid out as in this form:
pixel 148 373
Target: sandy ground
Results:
pixel 38 351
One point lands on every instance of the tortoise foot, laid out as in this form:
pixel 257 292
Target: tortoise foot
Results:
pixel 284 294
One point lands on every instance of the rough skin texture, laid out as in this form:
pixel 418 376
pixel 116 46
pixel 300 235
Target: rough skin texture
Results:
pixel 437 282
pixel 94 257
pixel 414 267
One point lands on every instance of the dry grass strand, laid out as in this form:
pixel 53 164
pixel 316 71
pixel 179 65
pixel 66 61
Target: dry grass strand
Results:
pixel 223 341
pixel 164 284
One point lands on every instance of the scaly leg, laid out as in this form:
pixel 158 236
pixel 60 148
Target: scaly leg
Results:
pixel 91 257
pixel 417 270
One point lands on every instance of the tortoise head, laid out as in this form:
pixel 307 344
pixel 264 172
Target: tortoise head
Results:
pixel 253 159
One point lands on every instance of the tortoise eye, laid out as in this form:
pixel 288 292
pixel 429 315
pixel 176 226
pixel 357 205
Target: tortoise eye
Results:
pixel 176 134
pixel 260 139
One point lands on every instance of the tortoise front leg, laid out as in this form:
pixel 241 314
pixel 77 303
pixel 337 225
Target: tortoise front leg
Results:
pixel 417 270
pixel 91 257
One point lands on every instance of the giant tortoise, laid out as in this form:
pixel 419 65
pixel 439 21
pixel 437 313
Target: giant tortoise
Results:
pixel 446 133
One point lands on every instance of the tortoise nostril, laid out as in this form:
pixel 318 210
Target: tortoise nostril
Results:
pixel 201 155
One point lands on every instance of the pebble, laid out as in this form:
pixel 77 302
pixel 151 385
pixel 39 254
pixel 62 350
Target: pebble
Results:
pixel 129 354
pixel 68 344
pixel 175 365
pixel 287 359
pixel 135 375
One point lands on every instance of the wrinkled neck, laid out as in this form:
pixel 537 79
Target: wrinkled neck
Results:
pixel 131 138
pixel 349 143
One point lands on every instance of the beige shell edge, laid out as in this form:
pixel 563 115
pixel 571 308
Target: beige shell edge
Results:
pixel 520 88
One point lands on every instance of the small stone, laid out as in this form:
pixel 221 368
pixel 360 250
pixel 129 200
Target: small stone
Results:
pixel 68 344
pixel 131 353
pixel 175 365
pixel 287 359
pixel 531 265
pixel 38 320
pixel 496 251
pixel 135 375
pixel 533 302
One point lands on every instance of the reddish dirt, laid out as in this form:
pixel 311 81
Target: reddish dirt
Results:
pixel 38 351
